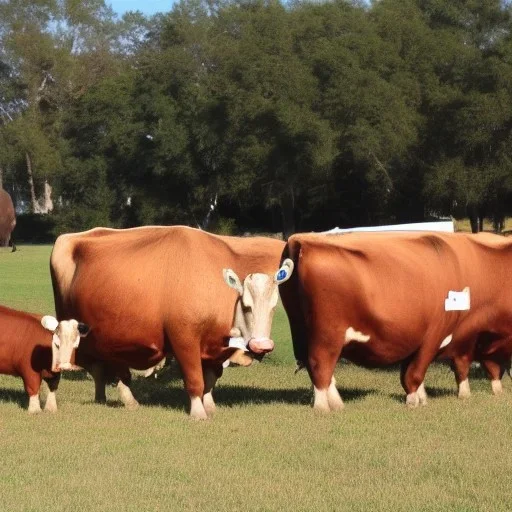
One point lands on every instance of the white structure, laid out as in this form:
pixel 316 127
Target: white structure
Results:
pixel 445 226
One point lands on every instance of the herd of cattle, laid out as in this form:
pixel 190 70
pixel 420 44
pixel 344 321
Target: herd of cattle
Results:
pixel 140 295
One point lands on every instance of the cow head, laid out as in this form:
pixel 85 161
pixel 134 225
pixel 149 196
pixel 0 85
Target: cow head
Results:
pixel 66 337
pixel 256 304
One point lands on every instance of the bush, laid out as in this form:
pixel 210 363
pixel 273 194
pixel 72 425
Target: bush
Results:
pixel 34 229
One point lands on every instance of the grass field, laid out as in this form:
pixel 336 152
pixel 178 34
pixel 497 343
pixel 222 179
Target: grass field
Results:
pixel 265 450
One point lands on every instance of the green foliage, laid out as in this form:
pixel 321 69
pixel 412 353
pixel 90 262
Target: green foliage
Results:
pixel 309 114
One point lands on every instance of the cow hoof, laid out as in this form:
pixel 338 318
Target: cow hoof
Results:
pixel 422 395
pixel 337 407
pixel 497 387
pixel 132 405
pixel 464 390
pixel 333 397
pixel 209 405
pixel 34 406
pixel 197 410
pixel 198 416
pixel 51 402
pixel 412 400
pixel 321 409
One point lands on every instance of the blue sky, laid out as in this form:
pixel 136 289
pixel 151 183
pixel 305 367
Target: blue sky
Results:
pixel 146 6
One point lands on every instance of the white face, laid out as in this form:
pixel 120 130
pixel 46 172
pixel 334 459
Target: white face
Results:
pixel 66 338
pixel 258 300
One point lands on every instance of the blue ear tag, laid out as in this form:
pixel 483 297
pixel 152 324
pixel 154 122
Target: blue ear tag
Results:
pixel 281 275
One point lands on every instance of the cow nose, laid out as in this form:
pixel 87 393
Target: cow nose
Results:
pixel 261 345
pixel 66 366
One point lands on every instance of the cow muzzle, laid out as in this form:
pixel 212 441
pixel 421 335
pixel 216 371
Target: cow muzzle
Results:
pixel 261 346
pixel 62 361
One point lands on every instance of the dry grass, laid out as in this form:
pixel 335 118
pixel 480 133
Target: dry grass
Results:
pixel 464 225
pixel 265 450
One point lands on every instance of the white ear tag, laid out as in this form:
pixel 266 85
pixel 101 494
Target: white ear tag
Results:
pixel 458 301
pixel 238 343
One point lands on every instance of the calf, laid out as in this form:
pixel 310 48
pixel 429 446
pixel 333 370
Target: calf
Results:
pixel 31 347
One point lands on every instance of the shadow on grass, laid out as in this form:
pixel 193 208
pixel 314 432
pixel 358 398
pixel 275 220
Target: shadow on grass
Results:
pixel 16 396
pixel 175 397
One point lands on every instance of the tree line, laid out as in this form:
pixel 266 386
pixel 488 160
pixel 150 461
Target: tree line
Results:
pixel 238 115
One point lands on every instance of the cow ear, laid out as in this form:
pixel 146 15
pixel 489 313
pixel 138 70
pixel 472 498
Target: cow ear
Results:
pixel 50 323
pixel 284 273
pixel 232 280
pixel 83 329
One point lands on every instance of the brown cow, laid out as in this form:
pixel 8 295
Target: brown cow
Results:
pixel 155 291
pixel 493 345
pixel 381 298
pixel 7 218
pixel 31 347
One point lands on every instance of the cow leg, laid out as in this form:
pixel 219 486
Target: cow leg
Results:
pixel 34 405
pixel 322 361
pixel 461 366
pixel 97 371
pixel 188 356
pixel 413 374
pixel 32 383
pixel 51 400
pixel 125 393
pixel 494 371
pixel 422 394
pixel 420 397
pixel 210 376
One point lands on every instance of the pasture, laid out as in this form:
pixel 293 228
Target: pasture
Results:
pixel 265 450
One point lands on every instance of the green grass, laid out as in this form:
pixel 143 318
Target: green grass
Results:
pixel 265 450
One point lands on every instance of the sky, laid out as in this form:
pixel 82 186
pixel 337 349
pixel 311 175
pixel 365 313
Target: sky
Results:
pixel 145 6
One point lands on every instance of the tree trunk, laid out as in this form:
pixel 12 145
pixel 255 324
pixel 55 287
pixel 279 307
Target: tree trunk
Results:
pixel 33 200
pixel 287 202
pixel 473 218
pixel 481 219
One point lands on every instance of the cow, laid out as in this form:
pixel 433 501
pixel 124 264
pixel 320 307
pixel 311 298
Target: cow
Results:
pixel 157 291
pixel 7 219
pixel 31 347
pixel 383 298
pixel 491 347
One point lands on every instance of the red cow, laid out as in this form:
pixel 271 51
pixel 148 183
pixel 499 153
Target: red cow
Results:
pixel 153 292
pixel 7 218
pixel 383 298
pixel 31 347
